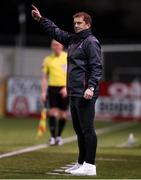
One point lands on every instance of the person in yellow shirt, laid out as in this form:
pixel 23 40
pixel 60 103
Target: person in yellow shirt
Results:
pixel 54 91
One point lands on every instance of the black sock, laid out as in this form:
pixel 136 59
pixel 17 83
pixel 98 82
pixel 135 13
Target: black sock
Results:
pixel 52 126
pixel 61 125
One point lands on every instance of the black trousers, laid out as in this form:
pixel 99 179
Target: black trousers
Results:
pixel 83 112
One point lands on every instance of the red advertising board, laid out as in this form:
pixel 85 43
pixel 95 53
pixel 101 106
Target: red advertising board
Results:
pixel 119 101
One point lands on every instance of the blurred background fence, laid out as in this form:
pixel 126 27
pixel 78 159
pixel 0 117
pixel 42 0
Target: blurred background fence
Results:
pixel 120 96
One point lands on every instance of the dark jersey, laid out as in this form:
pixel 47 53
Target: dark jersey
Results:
pixel 84 58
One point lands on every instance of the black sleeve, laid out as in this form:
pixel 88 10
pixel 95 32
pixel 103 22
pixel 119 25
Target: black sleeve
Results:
pixel 93 50
pixel 54 32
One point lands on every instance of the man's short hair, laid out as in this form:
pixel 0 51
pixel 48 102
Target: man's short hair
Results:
pixel 86 16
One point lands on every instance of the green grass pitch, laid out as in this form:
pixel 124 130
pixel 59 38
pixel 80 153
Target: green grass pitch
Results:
pixel 112 161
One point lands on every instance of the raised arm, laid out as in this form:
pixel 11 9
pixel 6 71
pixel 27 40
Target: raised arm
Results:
pixel 49 27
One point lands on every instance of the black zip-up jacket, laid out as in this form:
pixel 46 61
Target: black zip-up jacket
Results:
pixel 84 58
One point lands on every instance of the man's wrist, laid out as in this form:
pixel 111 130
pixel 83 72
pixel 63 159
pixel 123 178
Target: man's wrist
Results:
pixel 39 18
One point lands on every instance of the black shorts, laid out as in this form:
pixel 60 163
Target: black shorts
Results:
pixel 55 99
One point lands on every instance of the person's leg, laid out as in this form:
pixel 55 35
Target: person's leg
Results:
pixel 86 113
pixel 52 126
pixel 63 103
pixel 52 120
pixel 80 137
pixel 82 150
pixel 78 130
pixel 61 126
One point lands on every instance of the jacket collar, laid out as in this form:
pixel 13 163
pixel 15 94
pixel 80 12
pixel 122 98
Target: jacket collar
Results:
pixel 84 34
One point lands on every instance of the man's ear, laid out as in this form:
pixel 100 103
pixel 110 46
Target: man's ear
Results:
pixel 88 25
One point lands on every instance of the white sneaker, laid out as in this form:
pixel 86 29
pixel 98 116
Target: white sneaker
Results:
pixel 59 140
pixel 52 141
pixel 85 170
pixel 74 167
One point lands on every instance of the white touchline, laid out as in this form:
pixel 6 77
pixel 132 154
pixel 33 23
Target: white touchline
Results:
pixel 25 150
pixel 111 159
pixel 66 140
pixel 125 144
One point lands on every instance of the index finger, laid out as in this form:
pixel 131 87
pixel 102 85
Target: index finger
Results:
pixel 34 7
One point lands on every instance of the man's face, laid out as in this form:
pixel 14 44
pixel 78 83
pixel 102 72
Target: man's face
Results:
pixel 56 47
pixel 80 24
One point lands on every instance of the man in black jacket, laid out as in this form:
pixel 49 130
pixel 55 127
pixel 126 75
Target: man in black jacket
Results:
pixel 83 75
